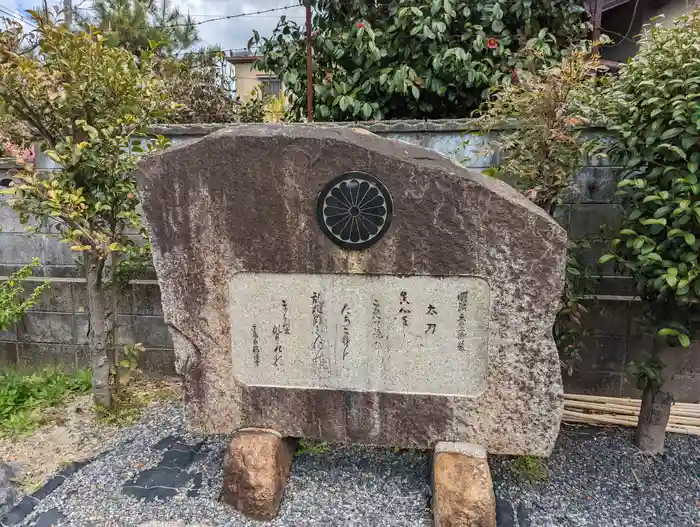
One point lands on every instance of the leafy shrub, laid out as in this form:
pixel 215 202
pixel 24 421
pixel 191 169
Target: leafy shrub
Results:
pixel 312 447
pixel 541 122
pixel 13 301
pixel 540 134
pixel 253 109
pixel 203 91
pixel 21 395
pixel 87 105
pixel 414 58
pixel 200 87
pixel 653 111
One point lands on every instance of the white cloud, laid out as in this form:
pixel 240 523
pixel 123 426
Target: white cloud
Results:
pixel 234 33
pixel 229 34
pixel 16 8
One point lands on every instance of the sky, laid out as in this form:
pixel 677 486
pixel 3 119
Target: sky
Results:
pixel 229 34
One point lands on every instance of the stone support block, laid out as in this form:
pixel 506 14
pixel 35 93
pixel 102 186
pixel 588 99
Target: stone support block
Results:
pixel 462 487
pixel 256 468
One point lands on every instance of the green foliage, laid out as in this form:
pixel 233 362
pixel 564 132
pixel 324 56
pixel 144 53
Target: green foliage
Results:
pixel 201 83
pixel 653 110
pixel 539 124
pixel 136 24
pixel 254 108
pixel 14 303
pixel 529 469
pixel 646 372
pixel 133 399
pixel 22 396
pixel 84 102
pixel 88 106
pixel 415 58
pixel 569 329
pixel 309 446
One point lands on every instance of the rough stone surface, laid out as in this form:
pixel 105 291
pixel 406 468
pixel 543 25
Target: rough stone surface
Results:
pixel 462 488
pixel 245 199
pixel 255 472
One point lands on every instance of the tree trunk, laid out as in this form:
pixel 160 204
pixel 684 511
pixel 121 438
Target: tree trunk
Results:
pixel 98 336
pixel 653 418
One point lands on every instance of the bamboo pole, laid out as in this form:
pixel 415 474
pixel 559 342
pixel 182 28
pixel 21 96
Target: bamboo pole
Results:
pixel 596 420
pixel 684 418
pixel 622 409
pixel 673 420
pixel 621 400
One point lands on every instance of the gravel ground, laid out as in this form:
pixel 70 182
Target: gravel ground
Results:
pixel 344 486
pixel 596 478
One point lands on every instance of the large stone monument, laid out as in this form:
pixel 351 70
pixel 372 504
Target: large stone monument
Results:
pixel 321 282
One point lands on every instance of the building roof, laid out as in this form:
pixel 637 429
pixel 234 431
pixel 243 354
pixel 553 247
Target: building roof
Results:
pixel 242 57
pixel 607 4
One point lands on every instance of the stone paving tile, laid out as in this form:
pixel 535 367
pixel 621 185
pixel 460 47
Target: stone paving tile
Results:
pixel 180 455
pixel 163 481
pixel 24 508
pixel 166 442
pixel 196 486
pixel 51 518
pixel 159 482
pixel 505 516
pixel 19 512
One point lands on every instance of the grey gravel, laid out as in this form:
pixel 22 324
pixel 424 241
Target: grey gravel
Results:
pixel 596 478
pixel 346 485
pixel 8 487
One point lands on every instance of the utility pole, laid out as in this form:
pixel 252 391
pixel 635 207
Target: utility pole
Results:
pixel 597 21
pixel 309 65
pixel 67 13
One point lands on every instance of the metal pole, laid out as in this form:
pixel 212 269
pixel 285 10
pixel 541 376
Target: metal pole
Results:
pixel 597 21
pixel 309 66
pixel 67 13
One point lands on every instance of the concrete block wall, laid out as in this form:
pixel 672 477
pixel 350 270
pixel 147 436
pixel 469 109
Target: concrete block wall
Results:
pixel 55 331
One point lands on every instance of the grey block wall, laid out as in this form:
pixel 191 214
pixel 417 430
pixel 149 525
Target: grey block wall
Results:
pixel 55 332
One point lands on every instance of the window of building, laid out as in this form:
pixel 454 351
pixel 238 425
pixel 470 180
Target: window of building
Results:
pixel 272 86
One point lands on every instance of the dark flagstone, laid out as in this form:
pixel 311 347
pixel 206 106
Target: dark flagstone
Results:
pixel 163 481
pixel 159 482
pixel 166 443
pixel 49 487
pixel 19 512
pixel 52 517
pixel 505 516
pixel 523 515
pixel 193 492
pixel 180 456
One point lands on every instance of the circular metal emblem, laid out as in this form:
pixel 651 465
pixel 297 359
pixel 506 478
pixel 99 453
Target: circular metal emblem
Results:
pixel 354 210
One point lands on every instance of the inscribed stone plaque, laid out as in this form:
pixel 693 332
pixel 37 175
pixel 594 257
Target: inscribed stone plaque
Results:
pixel 236 222
pixel 418 334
